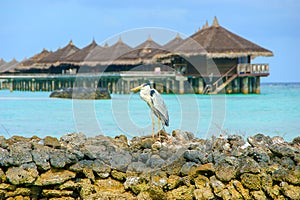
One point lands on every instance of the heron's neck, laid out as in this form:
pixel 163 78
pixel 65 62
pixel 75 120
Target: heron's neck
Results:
pixel 145 95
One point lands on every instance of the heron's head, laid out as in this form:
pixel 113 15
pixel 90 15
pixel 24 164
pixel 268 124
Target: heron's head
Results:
pixel 136 89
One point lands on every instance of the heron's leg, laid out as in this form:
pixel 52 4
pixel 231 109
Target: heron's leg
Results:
pixel 158 121
pixel 153 124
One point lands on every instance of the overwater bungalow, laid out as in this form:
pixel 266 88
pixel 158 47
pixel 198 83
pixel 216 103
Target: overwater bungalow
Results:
pixel 212 60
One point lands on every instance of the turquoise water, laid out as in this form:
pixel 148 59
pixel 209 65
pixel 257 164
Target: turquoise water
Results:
pixel 274 112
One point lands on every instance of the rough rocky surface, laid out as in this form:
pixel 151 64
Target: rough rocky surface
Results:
pixel 81 93
pixel 178 166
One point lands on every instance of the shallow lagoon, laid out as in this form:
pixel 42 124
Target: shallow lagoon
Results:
pixel 274 112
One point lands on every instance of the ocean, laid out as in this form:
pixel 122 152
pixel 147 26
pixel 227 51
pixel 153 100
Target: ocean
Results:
pixel 274 112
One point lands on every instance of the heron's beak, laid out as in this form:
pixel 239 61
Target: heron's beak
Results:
pixel 136 89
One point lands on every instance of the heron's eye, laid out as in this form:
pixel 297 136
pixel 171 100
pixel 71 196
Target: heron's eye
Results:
pixel 145 84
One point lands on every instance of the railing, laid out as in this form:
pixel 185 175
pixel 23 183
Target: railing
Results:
pixel 226 75
pixel 253 68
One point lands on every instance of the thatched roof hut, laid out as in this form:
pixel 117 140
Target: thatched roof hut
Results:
pixel 9 67
pixel 174 43
pixel 108 54
pixel 143 53
pixel 59 56
pixel 218 42
pixel 30 62
pixel 81 55
pixel 2 62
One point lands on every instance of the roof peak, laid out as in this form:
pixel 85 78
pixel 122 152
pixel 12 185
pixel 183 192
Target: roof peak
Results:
pixel 149 38
pixel 71 42
pixel 178 36
pixel 215 22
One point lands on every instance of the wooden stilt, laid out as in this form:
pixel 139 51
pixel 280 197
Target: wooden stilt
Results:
pixel 245 85
pixel 257 84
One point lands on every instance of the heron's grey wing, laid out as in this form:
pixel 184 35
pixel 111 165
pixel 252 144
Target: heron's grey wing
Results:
pixel 159 107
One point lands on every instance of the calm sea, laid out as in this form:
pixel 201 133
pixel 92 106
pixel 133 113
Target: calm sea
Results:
pixel 274 112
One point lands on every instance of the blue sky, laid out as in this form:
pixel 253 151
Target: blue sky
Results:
pixel 28 26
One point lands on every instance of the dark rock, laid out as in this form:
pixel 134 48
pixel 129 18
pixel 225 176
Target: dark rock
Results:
pixel 96 152
pixel 60 159
pixel 286 176
pixel 187 167
pixel 259 140
pixel 284 150
pixel 100 167
pixel 249 165
pixel 287 162
pixel 195 156
pixel 155 162
pixel 25 174
pixel 40 155
pixel 120 160
pixel 235 141
pixel 81 165
pixel 259 155
pixel 295 142
pixel 20 154
pixel 81 93
pixel 4 157
pixel 144 156
pixel 138 167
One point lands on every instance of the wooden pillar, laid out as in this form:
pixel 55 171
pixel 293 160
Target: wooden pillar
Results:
pixel 245 85
pixel 113 86
pixel 11 85
pixel 229 88
pixel 32 85
pixel 257 85
pixel 167 86
pixel 200 86
pixel 236 85
pixel 53 85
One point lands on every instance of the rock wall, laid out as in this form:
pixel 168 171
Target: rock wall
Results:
pixel 176 167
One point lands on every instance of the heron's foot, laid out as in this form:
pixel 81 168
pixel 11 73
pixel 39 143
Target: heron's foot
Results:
pixel 162 136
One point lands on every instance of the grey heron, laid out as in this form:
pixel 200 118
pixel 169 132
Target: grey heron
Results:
pixel 155 102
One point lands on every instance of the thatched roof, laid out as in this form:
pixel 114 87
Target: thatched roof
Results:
pixel 10 66
pixel 60 55
pixel 2 62
pixel 108 54
pixel 82 54
pixel 143 53
pixel 219 42
pixel 34 59
pixel 173 44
